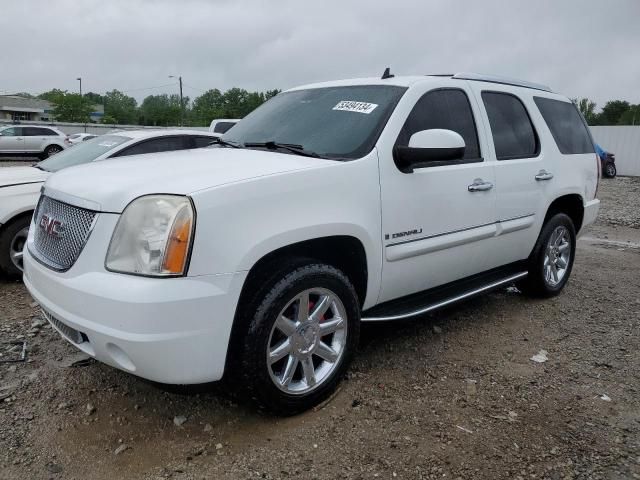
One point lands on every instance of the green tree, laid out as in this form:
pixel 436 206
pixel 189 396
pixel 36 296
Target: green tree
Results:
pixel 69 107
pixel 94 98
pixel 51 94
pixel 108 120
pixel 121 107
pixel 588 110
pixel 162 110
pixel 207 106
pixel 630 116
pixel 612 112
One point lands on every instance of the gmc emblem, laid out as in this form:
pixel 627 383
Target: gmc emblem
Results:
pixel 51 226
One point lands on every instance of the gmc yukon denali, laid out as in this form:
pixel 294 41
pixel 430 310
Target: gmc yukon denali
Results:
pixel 256 259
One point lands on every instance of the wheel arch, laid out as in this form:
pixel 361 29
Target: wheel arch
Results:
pixel 572 205
pixel 345 252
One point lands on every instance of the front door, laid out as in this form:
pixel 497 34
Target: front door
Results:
pixel 11 140
pixel 438 222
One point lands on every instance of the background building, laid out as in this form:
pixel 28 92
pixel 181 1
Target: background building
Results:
pixel 16 108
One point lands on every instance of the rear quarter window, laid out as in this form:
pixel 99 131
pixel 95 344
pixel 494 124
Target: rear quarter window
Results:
pixel 566 125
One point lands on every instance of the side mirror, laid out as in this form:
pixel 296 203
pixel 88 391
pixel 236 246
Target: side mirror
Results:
pixel 427 148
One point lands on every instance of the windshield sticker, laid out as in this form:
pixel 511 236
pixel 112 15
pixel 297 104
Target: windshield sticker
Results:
pixel 107 144
pixel 351 106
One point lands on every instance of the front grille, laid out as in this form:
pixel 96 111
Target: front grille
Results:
pixel 70 333
pixel 61 231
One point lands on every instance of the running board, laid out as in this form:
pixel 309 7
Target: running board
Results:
pixel 421 303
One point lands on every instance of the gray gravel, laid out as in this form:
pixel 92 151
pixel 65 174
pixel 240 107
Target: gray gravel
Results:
pixel 452 395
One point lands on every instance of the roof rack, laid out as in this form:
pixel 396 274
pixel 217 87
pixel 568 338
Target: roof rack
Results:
pixel 501 80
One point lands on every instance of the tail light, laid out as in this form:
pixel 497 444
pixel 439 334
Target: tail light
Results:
pixel 599 164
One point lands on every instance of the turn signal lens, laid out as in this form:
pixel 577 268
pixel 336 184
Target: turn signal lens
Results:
pixel 175 257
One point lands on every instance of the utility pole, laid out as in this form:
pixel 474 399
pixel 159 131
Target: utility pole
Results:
pixel 181 101
pixel 80 80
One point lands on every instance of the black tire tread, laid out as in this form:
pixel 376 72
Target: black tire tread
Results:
pixel 258 386
pixel 534 285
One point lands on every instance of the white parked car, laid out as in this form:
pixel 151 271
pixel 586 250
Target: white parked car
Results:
pixel 31 140
pixel 20 186
pixel 330 205
pixel 222 125
pixel 78 137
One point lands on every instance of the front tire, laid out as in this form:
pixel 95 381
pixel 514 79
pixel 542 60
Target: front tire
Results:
pixel 551 260
pixel 12 241
pixel 300 339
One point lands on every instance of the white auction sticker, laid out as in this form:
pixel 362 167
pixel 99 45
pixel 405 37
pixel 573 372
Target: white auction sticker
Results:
pixel 352 106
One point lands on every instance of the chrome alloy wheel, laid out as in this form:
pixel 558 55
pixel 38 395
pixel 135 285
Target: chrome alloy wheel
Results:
pixel 53 149
pixel 307 341
pixel 17 245
pixel 557 256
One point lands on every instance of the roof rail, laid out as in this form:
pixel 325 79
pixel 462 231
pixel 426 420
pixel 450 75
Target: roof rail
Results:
pixel 501 80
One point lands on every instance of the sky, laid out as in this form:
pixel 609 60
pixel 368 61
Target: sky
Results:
pixel 581 48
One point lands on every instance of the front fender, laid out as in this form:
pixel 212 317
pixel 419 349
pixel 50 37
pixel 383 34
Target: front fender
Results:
pixel 238 224
pixel 18 199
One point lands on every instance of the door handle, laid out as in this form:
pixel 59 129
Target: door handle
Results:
pixel 543 175
pixel 480 185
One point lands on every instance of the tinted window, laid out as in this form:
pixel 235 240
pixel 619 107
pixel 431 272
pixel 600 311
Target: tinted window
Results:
pixel 199 142
pixel 155 145
pixel 84 152
pixel 448 109
pixel 223 127
pixel 566 125
pixel 513 132
pixel 334 122
pixel 37 132
pixel 10 132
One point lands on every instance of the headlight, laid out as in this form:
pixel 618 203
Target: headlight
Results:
pixel 153 237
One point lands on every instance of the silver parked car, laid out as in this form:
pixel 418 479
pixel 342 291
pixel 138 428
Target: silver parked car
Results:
pixel 31 140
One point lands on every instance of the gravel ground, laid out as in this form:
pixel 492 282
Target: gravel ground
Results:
pixel 451 395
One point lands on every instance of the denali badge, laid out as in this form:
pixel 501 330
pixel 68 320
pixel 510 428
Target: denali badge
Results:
pixel 415 231
pixel 52 226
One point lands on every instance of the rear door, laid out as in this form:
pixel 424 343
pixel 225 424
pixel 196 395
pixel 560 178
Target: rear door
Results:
pixel 521 169
pixel 36 139
pixel 11 140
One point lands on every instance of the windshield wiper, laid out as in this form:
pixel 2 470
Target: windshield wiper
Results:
pixel 225 143
pixel 39 167
pixel 291 147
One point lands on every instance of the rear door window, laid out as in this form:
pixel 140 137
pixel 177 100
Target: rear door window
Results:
pixel 156 145
pixel 200 142
pixel 566 125
pixel 513 133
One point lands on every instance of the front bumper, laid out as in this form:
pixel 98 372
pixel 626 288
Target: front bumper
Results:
pixel 173 331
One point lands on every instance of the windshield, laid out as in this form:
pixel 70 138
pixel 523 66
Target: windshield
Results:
pixel 333 122
pixel 84 152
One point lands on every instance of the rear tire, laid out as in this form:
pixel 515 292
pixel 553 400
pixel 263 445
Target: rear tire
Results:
pixel 52 150
pixel 551 261
pixel 301 330
pixel 13 238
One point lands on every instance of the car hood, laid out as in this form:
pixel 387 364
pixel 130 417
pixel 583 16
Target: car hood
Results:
pixel 109 186
pixel 20 175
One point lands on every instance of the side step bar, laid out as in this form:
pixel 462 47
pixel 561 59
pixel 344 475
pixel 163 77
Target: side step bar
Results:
pixel 377 314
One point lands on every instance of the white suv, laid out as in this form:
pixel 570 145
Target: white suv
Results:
pixel 330 205
pixel 31 140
